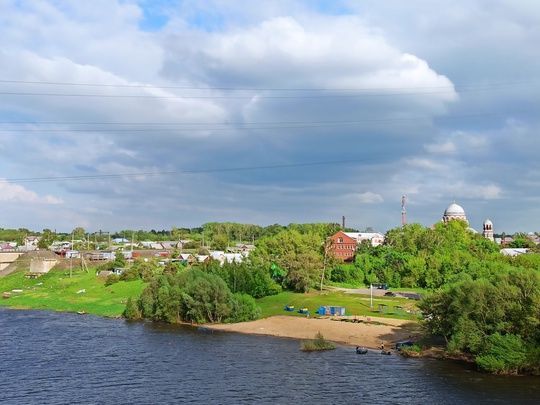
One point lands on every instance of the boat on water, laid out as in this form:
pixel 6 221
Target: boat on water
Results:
pixel 361 350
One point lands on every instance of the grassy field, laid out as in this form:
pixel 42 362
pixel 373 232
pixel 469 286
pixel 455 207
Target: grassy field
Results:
pixel 57 291
pixel 355 305
pixel 84 291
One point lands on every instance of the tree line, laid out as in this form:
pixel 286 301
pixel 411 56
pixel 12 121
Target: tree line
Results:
pixel 486 305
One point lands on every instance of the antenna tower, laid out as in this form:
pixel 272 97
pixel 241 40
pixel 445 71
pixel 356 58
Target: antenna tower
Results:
pixel 403 211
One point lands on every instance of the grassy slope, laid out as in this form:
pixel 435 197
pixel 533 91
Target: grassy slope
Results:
pixel 57 291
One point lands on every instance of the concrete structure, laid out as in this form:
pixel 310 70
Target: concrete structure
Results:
pixel 6 258
pixel 42 265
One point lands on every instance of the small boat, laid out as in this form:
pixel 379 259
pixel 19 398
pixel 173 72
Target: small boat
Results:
pixel 361 350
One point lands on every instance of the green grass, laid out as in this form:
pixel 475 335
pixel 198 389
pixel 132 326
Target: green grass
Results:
pixel 355 304
pixel 57 291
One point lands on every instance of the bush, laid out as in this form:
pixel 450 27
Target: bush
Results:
pixel 112 279
pixel 244 309
pixel 132 311
pixel 319 343
pixel 506 354
pixel 131 274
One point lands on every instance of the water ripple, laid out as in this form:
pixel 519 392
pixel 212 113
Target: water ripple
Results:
pixel 55 358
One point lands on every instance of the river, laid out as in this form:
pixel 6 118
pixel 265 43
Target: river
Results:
pixel 61 358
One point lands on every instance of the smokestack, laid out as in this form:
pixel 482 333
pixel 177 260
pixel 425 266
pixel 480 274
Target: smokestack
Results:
pixel 343 222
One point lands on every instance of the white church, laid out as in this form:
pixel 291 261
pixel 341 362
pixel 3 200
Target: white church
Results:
pixel 455 211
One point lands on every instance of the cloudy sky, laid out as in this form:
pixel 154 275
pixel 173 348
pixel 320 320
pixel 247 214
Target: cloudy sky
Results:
pixel 148 114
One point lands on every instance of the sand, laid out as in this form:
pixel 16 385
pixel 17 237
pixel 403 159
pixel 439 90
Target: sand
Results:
pixel 335 329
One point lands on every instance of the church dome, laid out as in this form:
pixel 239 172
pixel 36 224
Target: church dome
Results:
pixel 488 222
pixel 454 211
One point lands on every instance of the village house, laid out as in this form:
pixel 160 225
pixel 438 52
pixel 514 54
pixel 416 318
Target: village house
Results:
pixel 30 243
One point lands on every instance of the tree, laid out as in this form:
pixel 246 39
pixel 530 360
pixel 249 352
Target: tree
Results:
pixel 219 242
pixel 47 238
pixel 303 271
pixel 79 233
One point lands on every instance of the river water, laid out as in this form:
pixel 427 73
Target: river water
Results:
pixel 60 358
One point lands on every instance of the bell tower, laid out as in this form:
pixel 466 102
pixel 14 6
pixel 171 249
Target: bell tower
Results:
pixel 488 230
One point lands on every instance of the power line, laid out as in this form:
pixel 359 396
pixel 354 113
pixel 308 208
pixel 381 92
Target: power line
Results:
pixel 203 171
pixel 236 126
pixel 141 86
pixel 219 97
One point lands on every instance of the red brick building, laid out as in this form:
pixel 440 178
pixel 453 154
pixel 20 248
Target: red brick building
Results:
pixel 344 244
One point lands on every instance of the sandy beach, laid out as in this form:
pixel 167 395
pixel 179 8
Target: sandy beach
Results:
pixel 335 329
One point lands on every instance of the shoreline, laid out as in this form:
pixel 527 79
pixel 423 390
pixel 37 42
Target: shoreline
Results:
pixel 337 329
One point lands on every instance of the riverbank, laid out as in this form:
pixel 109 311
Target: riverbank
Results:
pixel 336 329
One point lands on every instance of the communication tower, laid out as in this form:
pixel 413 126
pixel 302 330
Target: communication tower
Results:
pixel 403 211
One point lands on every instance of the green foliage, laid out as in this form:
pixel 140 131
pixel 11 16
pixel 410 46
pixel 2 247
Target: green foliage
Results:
pixel 112 279
pixel 351 274
pixel 244 277
pixel 132 311
pixel 319 343
pixel 493 318
pixel 243 309
pixel 505 354
pixel 219 242
pixel 145 269
pixel 299 255
pixel 130 274
pixel 194 296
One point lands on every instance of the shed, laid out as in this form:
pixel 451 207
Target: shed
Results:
pixel 331 310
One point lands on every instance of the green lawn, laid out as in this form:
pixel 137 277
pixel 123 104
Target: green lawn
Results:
pixel 57 291
pixel 355 305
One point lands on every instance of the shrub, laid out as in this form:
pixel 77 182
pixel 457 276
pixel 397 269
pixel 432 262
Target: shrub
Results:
pixel 132 311
pixel 506 354
pixel 319 343
pixel 131 274
pixel 112 279
pixel 244 309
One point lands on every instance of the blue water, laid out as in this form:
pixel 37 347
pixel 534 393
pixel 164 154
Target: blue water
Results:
pixel 58 358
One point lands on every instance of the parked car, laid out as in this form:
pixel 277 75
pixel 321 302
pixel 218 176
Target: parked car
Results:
pixel 389 294
pixel 405 343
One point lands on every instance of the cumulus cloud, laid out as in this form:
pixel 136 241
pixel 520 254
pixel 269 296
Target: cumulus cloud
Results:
pixel 252 112
pixel 16 192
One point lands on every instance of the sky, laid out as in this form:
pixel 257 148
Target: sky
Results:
pixel 138 114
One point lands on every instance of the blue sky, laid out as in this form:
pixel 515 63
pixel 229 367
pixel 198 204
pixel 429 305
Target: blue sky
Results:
pixel 153 114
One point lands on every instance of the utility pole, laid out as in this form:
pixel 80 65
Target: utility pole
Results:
pixel 71 257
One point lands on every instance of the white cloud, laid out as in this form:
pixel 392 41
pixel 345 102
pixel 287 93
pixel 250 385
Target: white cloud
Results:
pixel 415 77
pixel 425 164
pixel 16 192
pixel 368 197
